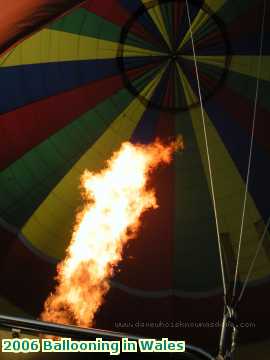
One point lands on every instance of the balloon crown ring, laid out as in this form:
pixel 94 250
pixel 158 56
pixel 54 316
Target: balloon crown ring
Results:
pixel 172 61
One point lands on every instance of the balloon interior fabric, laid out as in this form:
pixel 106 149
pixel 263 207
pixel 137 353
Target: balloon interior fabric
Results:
pixel 21 18
pixel 118 70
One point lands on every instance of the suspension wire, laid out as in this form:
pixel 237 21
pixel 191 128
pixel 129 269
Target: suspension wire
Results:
pixel 208 158
pixel 253 261
pixel 250 152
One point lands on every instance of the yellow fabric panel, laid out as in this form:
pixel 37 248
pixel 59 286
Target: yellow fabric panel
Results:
pixel 157 17
pixel 201 19
pixel 49 228
pixel 243 64
pixel 229 191
pixel 53 46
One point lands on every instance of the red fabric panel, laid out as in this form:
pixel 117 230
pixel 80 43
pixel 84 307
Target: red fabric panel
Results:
pixel 25 278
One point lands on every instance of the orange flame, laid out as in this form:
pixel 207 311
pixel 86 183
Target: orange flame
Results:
pixel 115 199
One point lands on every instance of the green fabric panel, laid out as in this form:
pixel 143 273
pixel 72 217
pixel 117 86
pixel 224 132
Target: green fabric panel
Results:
pixel 167 12
pixel 83 22
pixel 243 85
pixel 246 85
pixel 196 258
pixel 232 9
